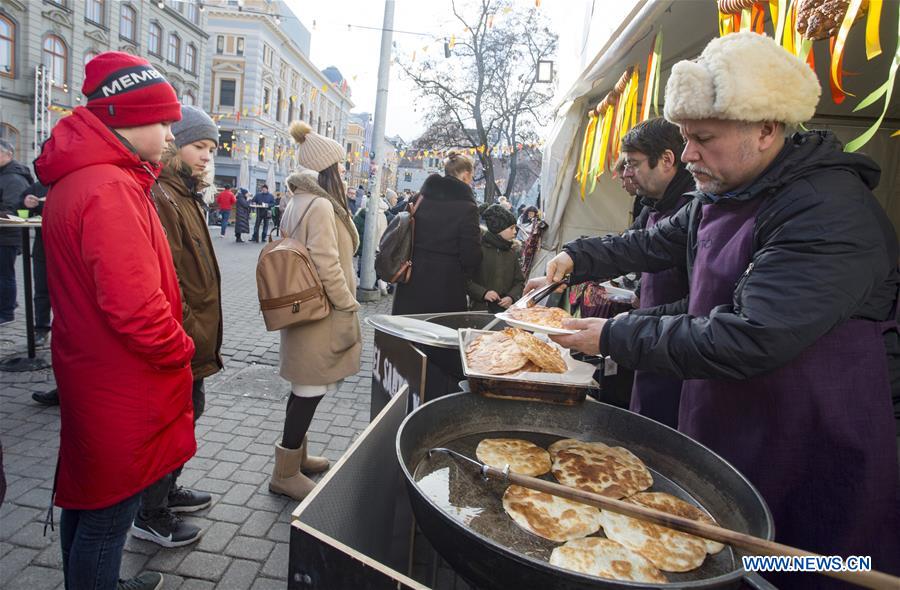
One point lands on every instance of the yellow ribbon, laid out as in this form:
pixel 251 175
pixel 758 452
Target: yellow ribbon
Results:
pixel 589 145
pixel 873 22
pixel 852 10
pixel 595 154
pixel 604 141
pixel 746 20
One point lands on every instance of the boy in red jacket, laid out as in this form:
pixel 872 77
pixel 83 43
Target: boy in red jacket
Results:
pixel 120 356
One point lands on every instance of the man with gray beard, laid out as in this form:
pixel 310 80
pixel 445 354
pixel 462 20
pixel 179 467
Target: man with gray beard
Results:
pixel 788 338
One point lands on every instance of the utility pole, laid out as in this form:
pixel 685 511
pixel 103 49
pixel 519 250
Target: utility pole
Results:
pixel 367 289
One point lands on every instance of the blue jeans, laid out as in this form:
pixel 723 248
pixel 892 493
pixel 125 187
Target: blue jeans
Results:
pixel 92 544
pixel 8 281
pixel 225 215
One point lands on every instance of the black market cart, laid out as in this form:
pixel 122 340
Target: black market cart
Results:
pixel 368 524
pixel 31 361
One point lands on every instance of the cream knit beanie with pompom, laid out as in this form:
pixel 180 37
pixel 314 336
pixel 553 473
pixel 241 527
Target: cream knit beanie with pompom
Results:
pixel 315 152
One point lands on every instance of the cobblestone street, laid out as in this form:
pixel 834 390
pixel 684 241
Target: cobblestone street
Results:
pixel 245 544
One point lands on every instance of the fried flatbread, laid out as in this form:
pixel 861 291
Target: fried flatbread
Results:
pixel 494 354
pixel 667 549
pixel 604 558
pixel 522 456
pixel 566 443
pixel 551 317
pixel 540 353
pixel 548 516
pixel 669 503
pixel 610 471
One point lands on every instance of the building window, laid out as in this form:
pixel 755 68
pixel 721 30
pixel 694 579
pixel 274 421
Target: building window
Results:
pixel 10 134
pixel 319 126
pixel 262 149
pixel 56 58
pixel 268 55
pixel 267 94
pixel 290 113
pixel 193 12
pixel 154 41
pixel 127 20
pixel 301 111
pixel 94 11
pixel 188 98
pixel 240 46
pixel 279 98
pixel 89 56
pixel 226 93
pixel 7 47
pixel 407 177
pixel 173 56
pixel 226 143
pixel 190 58
pixel 284 71
pixel 220 44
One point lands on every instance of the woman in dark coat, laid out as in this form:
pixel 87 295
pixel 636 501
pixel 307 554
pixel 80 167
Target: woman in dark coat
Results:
pixel 447 248
pixel 242 217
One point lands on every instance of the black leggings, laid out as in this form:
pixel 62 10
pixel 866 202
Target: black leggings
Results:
pixel 297 418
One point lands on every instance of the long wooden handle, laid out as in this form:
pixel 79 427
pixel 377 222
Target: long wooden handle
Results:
pixel 753 545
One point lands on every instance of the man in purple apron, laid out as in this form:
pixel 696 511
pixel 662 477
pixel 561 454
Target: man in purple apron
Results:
pixel 794 284
pixel 651 155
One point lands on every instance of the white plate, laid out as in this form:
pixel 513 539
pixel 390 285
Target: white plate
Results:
pixel 532 327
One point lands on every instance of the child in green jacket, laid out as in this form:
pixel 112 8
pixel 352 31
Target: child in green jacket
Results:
pixel 499 281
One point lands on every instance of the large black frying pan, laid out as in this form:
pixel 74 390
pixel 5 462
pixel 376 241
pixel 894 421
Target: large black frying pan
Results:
pixel 487 549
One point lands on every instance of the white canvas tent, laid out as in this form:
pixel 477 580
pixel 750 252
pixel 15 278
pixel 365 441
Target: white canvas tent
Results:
pixel 687 27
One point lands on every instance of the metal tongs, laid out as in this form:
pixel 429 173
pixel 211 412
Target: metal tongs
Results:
pixel 538 295
pixel 532 298
pixel 748 543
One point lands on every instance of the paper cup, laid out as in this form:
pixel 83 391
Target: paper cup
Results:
pixel 23 213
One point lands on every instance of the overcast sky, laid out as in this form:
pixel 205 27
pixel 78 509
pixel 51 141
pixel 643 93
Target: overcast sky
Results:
pixel 355 50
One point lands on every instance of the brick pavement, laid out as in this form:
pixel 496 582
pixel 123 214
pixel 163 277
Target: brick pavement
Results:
pixel 245 544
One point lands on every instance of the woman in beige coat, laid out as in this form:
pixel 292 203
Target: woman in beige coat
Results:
pixel 316 357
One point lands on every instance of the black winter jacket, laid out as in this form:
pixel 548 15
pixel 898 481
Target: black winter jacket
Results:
pixel 446 251
pixel 823 252
pixel 14 179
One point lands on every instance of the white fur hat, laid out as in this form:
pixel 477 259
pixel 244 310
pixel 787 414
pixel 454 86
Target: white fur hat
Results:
pixel 743 77
pixel 316 152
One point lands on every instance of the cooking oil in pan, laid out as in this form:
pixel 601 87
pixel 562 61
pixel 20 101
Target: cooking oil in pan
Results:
pixel 459 490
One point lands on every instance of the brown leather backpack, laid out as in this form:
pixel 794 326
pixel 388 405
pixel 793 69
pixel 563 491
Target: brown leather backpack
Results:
pixel 393 261
pixel 290 291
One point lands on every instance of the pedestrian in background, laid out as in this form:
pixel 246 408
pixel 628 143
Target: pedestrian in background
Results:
pixel 499 281
pixel 226 201
pixel 33 200
pixel 241 215
pixel 14 179
pixel 447 247
pixel 183 216
pixel 120 355
pixel 264 200
pixel 316 357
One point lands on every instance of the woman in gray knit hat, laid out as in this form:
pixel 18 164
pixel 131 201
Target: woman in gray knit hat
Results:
pixel 316 357
pixel 183 216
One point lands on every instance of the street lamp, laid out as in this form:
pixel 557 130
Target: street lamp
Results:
pixel 545 71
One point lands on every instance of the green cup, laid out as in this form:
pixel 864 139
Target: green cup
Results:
pixel 23 213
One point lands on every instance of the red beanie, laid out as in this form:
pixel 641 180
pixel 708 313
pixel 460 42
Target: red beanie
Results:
pixel 124 90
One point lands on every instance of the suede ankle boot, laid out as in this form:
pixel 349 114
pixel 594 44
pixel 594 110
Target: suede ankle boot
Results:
pixel 286 476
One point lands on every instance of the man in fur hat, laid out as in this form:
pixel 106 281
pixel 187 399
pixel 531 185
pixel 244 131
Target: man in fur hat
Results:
pixel 785 339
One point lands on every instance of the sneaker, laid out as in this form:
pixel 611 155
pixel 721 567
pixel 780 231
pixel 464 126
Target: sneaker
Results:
pixel 41 336
pixel 145 581
pixel 185 500
pixel 46 398
pixel 165 529
pixel 9 321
